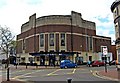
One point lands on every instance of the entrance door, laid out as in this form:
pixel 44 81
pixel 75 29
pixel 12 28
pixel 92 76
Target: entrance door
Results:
pixel 42 60
pixel 90 58
pixel 62 57
pixel 52 60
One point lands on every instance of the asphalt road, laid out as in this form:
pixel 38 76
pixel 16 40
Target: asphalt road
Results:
pixel 52 75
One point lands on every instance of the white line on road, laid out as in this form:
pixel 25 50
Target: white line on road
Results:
pixel 16 77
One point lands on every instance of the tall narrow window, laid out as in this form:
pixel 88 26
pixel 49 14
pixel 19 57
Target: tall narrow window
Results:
pixel 63 39
pixel 87 43
pixel 51 39
pixel 41 40
pixel 117 30
pixel 91 44
pixel 23 44
pixel 116 12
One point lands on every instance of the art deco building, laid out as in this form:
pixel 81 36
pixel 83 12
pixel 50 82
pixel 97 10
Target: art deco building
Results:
pixel 115 8
pixel 49 39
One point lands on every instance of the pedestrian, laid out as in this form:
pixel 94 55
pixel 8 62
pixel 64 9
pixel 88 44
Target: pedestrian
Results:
pixel 14 62
pixel 89 62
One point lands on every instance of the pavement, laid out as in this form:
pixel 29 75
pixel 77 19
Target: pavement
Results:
pixel 112 74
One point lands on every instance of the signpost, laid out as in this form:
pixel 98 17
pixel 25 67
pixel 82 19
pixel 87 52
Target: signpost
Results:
pixel 105 52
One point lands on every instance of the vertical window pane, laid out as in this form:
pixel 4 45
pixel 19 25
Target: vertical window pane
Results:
pixel 51 39
pixel 91 43
pixel 87 43
pixel 23 44
pixel 41 40
pixel 62 39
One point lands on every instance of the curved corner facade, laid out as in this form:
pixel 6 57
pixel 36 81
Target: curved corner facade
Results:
pixel 115 8
pixel 49 39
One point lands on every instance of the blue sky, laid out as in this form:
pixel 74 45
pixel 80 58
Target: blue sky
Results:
pixel 13 13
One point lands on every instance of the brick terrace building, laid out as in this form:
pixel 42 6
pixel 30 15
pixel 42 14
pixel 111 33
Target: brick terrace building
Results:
pixel 49 39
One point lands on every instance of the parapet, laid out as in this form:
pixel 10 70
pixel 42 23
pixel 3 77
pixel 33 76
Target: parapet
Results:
pixel 74 19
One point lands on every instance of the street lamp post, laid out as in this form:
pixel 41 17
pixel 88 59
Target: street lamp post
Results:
pixel 104 53
pixel 86 44
pixel 105 64
pixel 71 37
pixel 8 61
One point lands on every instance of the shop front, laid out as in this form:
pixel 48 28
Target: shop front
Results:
pixel 51 58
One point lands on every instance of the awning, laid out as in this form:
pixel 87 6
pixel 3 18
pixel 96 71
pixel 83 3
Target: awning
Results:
pixel 52 53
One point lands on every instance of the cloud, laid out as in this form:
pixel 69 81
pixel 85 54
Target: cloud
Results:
pixel 106 32
pixel 32 2
pixel 15 13
pixel 2 3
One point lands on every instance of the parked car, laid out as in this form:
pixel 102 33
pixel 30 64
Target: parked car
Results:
pixel 112 62
pixel 67 64
pixel 98 63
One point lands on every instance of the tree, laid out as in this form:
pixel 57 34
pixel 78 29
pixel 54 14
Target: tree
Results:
pixel 6 39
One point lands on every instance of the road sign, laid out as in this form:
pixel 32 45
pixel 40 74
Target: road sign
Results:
pixel 104 50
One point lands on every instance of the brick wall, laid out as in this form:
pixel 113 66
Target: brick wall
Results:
pixel 79 38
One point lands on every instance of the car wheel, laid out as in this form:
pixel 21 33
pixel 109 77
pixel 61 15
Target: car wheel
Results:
pixel 75 66
pixel 65 67
pixel 98 65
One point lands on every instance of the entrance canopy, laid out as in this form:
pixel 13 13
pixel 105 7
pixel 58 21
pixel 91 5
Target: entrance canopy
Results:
pixel 52 53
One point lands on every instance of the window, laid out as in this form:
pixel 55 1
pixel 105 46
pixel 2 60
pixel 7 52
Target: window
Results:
pixel 23 44
pixel 51 39
pixel 87 44
pixel 117 30
pixel 91 44
pixel 23 58
pixel 116 12
pixel 41 40
pixel 31 59
pixel 47 58
pixel 62 39
pixel 38 58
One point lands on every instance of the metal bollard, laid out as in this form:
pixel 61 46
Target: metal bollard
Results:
pixel 69 80
pixel 36 66
pixel 26 65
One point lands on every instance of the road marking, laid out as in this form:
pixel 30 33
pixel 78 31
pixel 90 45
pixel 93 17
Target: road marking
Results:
pixel 13 72
pixel 16 77
pixel 29 76
pixel 53 72
pixel 72 72
pixel 91 71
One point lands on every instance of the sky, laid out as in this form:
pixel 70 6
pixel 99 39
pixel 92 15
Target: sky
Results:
pixel 14 13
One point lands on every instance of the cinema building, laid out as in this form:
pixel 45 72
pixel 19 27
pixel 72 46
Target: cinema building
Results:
pixel 49 39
